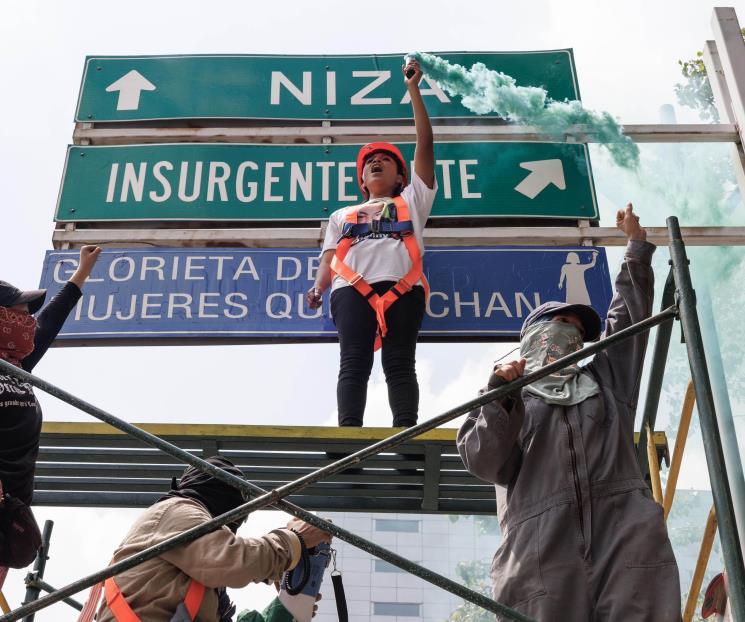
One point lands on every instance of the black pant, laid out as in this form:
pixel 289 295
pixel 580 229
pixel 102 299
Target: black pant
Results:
pixel 357 326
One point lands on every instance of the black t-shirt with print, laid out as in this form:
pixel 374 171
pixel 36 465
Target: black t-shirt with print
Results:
pixel 20 414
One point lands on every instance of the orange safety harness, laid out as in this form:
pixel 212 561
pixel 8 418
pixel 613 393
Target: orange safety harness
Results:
pixel 123 612
pixel 402 227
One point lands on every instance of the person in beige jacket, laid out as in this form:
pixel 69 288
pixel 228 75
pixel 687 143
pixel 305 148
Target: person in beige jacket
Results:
pixel 155 589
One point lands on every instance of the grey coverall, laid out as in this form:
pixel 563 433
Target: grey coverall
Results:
pixel 582 537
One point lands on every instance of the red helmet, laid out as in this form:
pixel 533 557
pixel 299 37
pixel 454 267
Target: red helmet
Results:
pixel 367 150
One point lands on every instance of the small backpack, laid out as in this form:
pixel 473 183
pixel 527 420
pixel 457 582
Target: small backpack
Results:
pixel 20 538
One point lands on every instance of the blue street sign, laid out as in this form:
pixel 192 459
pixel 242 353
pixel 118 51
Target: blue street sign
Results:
pixel 230 294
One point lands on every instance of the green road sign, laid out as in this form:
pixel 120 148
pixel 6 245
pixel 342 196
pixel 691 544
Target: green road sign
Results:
pixel 213 182
pixel 118 88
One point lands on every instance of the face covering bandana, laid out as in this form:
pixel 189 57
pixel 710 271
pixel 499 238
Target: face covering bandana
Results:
pixel 546 342
pixel 17 331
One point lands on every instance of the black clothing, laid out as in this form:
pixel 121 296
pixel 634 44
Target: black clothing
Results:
pixel 20 413
pixel 217 496
pixel 11 296
pixel 357 325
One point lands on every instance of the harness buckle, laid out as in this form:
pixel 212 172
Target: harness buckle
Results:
pixel 355 279
pixel 375 226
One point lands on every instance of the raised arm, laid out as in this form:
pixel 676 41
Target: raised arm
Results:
pixel 488 438
pixel 424 155
pixel 620 366
pixel 51 318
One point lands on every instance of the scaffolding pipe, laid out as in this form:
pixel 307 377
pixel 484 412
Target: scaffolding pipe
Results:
pixel 707 541
pixel 727 431
pixel 654 468
pixel 274 498
pixel 720 487
pixel 43 585
pixel 32 592
pixel 680 444
pixel 656 375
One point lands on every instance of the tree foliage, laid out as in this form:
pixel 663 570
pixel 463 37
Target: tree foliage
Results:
pixel 474 575
pixel 695 92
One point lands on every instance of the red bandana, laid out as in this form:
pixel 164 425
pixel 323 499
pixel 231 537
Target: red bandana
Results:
pixel 16 335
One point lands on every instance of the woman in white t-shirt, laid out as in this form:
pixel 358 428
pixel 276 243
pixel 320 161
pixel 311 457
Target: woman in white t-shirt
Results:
pixel 379 255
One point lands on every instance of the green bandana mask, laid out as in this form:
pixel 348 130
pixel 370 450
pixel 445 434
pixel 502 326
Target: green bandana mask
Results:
pixel 546 342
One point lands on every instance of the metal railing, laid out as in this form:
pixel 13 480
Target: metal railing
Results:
pixel 685 309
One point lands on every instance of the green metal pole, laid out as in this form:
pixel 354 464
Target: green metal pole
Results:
pixel 275 497
pixel 656 375
pixel 720 487
pixel 32 592
pixel 727 431
pixel 43 585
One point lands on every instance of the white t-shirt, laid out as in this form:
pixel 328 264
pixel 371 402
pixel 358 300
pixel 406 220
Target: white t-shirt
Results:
pixel 379 257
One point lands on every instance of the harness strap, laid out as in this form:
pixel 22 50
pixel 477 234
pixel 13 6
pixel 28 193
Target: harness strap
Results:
pixel 340 597
pixel 353 230
pixel 194 597
pixel 117 603
pixel 380 304
pixel 123 612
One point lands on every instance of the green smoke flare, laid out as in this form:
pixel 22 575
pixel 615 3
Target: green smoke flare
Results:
pixel 483 90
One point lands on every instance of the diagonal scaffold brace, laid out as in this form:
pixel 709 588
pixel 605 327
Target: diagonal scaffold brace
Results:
pixel 275 498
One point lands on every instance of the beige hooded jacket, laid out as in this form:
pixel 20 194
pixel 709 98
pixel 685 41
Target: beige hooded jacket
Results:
pixel 220 559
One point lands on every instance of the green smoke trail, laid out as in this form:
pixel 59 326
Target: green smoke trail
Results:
pixel 483 90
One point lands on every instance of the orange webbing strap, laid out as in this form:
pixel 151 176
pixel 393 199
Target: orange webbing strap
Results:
pixel 381 303
pixel 117 603
pixel 194 597
pixel 91 605
pixel 123 612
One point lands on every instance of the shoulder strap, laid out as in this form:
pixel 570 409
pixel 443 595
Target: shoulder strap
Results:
pixel 340 597
pixel 402 208
pixel 194 597
pixel 123 612
pixel 117 603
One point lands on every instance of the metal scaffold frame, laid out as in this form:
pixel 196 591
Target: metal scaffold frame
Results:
pixel 684 308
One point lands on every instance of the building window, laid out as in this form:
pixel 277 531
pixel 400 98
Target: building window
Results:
pixel 398 525
pixel 384 566
pixel 410 610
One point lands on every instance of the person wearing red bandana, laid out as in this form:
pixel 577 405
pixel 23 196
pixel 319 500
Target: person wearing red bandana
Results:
pixel 23 341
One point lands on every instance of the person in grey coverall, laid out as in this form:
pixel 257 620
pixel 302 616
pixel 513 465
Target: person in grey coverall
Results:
pixel 582 537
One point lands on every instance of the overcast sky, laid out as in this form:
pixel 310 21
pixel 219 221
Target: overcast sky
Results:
pixel 626 56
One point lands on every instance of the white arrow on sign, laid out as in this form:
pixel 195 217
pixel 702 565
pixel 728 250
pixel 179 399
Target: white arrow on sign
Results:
pixel 542 173
pixel 129 86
